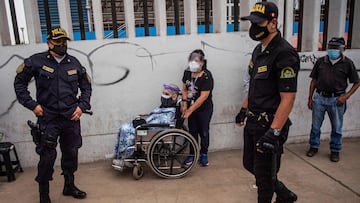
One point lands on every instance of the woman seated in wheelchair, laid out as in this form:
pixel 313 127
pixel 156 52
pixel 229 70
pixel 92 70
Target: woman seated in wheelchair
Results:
pixel 165 114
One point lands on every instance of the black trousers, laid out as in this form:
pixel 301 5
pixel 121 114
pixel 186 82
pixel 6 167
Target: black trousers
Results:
pixel 67 132
pixel 199 126
pixel 259 164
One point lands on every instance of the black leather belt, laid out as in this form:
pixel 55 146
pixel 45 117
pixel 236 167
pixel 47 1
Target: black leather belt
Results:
pixel 330 94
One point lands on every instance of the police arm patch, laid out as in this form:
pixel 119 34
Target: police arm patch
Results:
pixel 251 64
pixel 88 78
pixel 20 68
pixel 287 72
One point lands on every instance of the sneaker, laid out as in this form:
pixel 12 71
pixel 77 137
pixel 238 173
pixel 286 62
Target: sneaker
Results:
pixel 204 160
pixel 334 156
pixel 312 151
pixel 116 162
pixel 189 160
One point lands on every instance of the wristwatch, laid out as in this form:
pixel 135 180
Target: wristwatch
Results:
pixel 276 131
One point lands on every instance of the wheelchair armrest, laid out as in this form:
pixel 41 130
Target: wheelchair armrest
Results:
pixel 138 122
pixel 154 125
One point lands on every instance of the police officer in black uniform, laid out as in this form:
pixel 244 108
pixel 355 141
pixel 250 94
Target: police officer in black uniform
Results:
pixel 273 72
pixel 58 77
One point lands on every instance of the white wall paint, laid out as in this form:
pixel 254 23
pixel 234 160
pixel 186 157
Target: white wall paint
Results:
pixel 152 61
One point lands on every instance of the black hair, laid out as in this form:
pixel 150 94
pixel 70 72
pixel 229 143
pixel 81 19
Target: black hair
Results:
pixel 201 52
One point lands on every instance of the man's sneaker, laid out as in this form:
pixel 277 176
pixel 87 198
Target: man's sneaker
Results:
pixel 204 160
pixel 117 162
pixel 312 151
pixel 189 160
pixel 334 156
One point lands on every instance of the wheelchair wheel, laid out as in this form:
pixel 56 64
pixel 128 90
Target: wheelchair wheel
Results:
pixel 138 172
pixel 169 149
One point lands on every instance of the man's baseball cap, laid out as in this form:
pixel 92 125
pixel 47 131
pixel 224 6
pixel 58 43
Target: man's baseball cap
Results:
pixel 336 42
pixel 262 11
pixel 57 33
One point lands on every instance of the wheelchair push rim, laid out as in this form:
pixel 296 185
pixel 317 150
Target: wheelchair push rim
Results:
pixel 168 151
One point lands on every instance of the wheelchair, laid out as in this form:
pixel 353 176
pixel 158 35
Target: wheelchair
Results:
pixel 163 147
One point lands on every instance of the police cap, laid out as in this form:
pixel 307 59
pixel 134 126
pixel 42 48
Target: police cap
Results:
pixel 262 11
pixel 57 33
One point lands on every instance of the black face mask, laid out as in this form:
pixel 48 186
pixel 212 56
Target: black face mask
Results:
pixel 59 49
pixel 167 102
pixel 258 33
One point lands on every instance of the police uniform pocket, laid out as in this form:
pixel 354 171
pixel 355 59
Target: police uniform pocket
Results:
pixel 263 72
pixel 45 78
pixel 73 80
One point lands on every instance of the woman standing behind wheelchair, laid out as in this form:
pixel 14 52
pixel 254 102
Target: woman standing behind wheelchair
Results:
pixel 197 105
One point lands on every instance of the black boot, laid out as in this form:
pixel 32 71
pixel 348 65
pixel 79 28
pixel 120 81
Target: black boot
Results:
pixel 284 195
pixel 70 189
pixel 44 192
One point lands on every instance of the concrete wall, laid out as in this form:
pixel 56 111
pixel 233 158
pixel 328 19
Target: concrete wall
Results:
pixel 127 79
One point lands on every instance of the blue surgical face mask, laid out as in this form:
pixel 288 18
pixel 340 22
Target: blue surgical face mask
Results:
pixel 333 54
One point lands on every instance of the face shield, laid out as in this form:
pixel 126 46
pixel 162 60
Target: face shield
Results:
pixel 196 57
pixel 196 62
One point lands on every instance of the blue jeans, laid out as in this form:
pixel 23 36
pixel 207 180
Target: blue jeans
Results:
pixel 321 105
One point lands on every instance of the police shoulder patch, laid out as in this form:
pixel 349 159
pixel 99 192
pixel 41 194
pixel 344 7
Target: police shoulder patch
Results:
pixel 88 78
pixel 287 72
pixel 251 64
pixel 20 68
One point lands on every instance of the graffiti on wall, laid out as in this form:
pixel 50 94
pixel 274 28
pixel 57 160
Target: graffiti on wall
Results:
pixel 125 70
pixel 141 52
pixel 308 58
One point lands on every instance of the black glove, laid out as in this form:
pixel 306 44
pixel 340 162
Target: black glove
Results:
pixel 268 143
pixel 240 117
pixel 138 121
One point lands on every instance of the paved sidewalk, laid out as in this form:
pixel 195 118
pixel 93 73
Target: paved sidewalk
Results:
pixel 224 180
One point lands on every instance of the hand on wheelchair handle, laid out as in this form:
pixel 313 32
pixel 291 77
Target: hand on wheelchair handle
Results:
pixel 187 114
pixel 268 143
